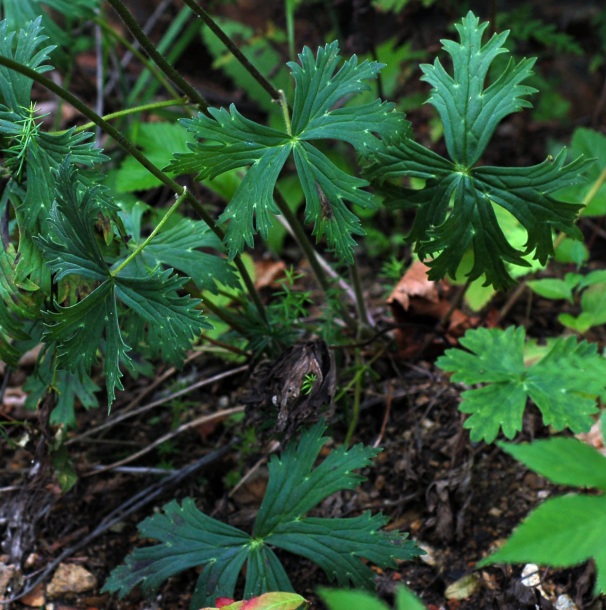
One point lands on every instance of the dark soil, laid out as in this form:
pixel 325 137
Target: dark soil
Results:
pixel 457 499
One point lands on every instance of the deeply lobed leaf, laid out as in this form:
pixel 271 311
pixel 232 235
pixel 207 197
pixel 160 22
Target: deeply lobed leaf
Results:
pixel 564 384
pixel 469 112
pixel 295 487
pixel 455 210
pixel 79 330
pixel 227 140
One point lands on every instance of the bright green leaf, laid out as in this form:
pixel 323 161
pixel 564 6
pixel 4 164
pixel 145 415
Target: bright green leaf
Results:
pixel 564 384
pixel 562 532
pixel 352 599
pixel 552 288
pixel 158 142
pixel 341 599
pixel 565 461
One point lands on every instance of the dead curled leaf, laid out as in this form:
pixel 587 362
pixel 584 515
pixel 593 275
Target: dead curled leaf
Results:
pixel 278 395
pixel 416 301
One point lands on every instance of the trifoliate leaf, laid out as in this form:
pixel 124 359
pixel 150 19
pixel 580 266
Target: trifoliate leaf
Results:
pixel 455 211
pixel 564 384
pixel 78 331
pixel 180 247
pixel 227 140
pixel 189 538
pixel 567 530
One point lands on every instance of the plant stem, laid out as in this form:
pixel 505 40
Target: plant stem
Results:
pixel 132 150
pixel 231 46
pixel 181 101
pixel 309 252
pixel 153 53
pixel 140 56
pixel 222 314
pixel 360 302
pixel 285 111
pixel 355 414
pixel 302 239
pixel 153 234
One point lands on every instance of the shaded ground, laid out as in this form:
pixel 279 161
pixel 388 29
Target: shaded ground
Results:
pixel 455 498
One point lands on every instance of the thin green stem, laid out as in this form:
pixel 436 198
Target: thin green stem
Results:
pixel 153 53
pixel 289 10
pixel 181 101
pixel 285 111
pixel 132 150
pixel 222 314
pixel 355 413
pixel 140 56
pixel 302 239
pixel 360 302
pixel 310 253
pixel 153 234
pixel 232 47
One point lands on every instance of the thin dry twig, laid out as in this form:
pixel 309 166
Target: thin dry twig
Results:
pixel 125 415
pixel 205 419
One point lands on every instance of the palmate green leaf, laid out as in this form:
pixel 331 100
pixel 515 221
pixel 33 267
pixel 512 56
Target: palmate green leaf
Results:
pixel 227 140
pixel 189 538
pixel 455 211
pixel 179 247
pixel 295 486
pixel 338 545
pixel 564 384
pixel 78 331
pixel 567 530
